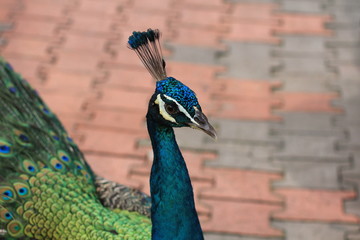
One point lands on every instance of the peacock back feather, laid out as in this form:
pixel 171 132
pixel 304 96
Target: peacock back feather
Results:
pixel 47 190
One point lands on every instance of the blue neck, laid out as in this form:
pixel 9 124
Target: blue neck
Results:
pixel 173 213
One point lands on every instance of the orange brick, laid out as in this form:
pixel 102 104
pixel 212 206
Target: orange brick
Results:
pixel 194 17
pixel 36 49
pixel 243 218
pixel 255 109
pixel 163 6
pixel 8 3
pixel 240 185
pixel 124 58
pixel 84 42
pixel 218 5
pixel 256 12
pixel 116 169
pixel 120 98
pixel 315 205
pixel 100 8
pixel 238 88
pixel 127 120
pixel 72 82
pixel 86 62
pixel 248 31
pixel 89 24
pixel 5 14
pixel 110 142
pixel 198 37
pixel 303 24
pixel 62 103
pixel 131 79
pixel 141 21
pixel 191 73
pixel 35 28
pixel 44 9
pixel 28 68
pixel 307 102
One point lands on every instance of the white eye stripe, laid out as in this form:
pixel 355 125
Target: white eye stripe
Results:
pixel 162 110
pixel 181 108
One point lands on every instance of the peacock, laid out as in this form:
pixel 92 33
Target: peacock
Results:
pixel 47 189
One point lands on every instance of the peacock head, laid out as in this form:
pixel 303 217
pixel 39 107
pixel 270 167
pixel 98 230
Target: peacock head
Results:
pixel 173 103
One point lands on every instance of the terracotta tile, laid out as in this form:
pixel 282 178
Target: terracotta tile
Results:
pixel 315 205
pixel 256 12
pixel 238 88
pixel 70 81
pixel 238 184
pixel 303 24
pixel 255 109
pixel 307 102
pixel 199 37
pixel 36 49
pixel 35 28
pixel 44 9
pixel 124 58
pixel 28 68
pixel 218 5
pixel 120 98
pixel 86 62
pixel 131 79
pixel 8 3
pixel 84 42
pixel 143 20
pixel 62 103
pixel 153 6
pixel 110 142
pixel 101 8
pixel 243 218
pixel 191 73
pixel 248 31
pixel 89 24
pixel 127 120
pixel 5 15
pixel 116 169
pixel 194 17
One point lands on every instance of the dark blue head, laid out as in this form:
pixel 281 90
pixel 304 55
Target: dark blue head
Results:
pixel 173 103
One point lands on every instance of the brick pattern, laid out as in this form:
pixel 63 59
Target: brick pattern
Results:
pixel 275 77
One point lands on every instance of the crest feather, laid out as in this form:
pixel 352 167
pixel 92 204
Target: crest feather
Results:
pixel 147 47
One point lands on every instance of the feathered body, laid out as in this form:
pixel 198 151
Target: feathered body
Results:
pixel 47 190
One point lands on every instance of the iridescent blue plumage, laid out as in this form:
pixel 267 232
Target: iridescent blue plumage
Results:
pixel 173 104
pixel 180 92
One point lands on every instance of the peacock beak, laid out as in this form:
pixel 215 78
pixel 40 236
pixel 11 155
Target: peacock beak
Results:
pixel 202 123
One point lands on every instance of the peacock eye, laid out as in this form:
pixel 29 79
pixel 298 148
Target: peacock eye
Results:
pixel 171 109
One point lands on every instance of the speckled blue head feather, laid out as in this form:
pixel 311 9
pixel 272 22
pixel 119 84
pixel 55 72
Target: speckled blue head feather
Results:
pixel 180 92
pixel 147 47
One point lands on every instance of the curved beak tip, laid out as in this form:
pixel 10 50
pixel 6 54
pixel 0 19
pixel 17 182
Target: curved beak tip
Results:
pixel 204 125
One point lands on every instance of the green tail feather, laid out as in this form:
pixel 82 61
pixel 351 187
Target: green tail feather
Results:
pixel 45 183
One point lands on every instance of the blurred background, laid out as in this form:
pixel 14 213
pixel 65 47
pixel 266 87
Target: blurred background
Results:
pixel 278 78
